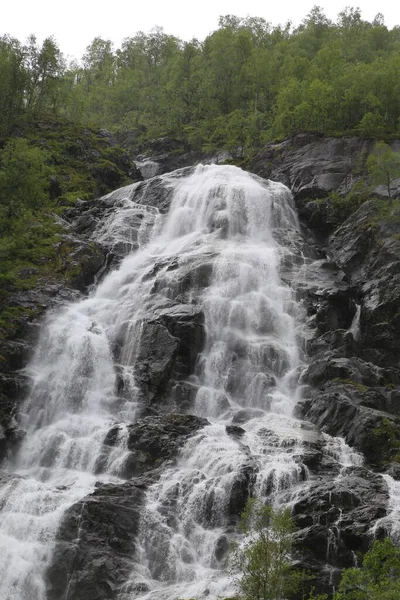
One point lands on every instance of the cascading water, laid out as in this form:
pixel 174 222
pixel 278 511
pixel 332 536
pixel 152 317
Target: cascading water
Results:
pixel 246 378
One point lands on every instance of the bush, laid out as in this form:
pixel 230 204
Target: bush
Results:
pixel 379 577
pixel 262 565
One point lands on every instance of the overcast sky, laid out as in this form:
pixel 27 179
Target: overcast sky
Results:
pixel 74 23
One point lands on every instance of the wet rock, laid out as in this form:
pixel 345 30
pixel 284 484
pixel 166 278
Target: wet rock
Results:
pixel 162 436
pixel 235 431
pixel 394 470
pixel 183 395
pixel 339 410
pixel 95 544
pixel 246 414
pixel 154 440
pixel 353 369
pixel 168 350
pixel 155 359
pixel 241 488
pixel 336 516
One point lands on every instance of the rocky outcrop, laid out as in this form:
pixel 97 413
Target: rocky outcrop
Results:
pixel 150 442
pixel 164 155
pixel 168 349
pixel 313 166
pixel 367 247
pixel 96 543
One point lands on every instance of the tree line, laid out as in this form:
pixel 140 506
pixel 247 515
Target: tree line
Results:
pixel 247 83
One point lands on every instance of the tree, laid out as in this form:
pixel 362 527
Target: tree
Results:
pixel 13 80
pixel 379 577
pixel 262 565
pixel 383 166
pixel 46 66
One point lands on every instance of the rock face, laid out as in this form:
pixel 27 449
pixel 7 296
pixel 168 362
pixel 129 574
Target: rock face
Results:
pixel 334 518
pixel 351 387
pixel 151 441
pixel 367 247
pixel 169 345
pixel 164 155
pixel 312 165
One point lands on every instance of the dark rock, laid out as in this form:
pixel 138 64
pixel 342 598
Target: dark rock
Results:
pixel 311 165
pixel 336 516
pixel 246 414
pixel 235 431
pixel 338 409
pixel 241 488
pixel 162 436
pixel 169 345
pixel 152 441
pixel 370 254
pixel 394 470
pixel 353 369
pixel 96 544
pixel 155 359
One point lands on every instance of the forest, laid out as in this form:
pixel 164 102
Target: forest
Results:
pixel 246 84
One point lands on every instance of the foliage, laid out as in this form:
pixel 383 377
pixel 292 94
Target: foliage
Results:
pixel 262 565
pixel 344 206
pixel 383 166
pixel 386 440
pixel 247 83
pixel 379 577
pixel 40 175
pixel 24 181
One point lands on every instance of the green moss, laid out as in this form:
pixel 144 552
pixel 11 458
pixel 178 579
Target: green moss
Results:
pixel 386 441
pixel 361 388
pixel 11 318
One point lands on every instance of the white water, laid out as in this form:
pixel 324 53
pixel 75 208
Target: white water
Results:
pixel 247 375
pixel 355 326
pixel 391 522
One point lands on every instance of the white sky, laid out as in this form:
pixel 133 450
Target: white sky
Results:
pixel 74 23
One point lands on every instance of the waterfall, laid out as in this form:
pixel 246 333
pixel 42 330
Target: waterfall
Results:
pixel 355 325
pixel 245 381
